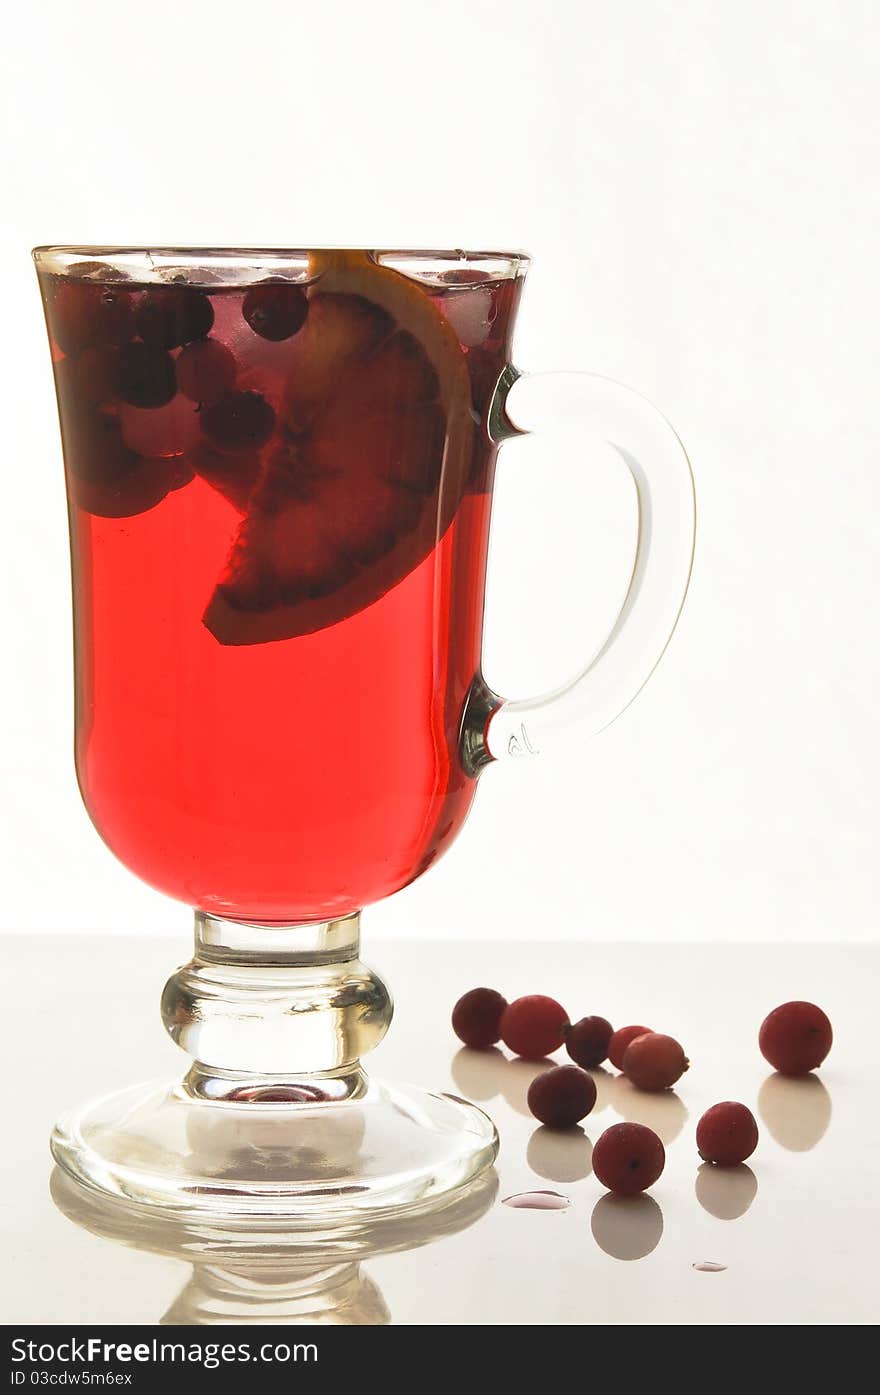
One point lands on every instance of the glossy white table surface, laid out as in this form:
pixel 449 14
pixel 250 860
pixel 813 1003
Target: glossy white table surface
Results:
pixel 796 1229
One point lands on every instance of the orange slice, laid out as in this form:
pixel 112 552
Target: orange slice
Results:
pixel 368 463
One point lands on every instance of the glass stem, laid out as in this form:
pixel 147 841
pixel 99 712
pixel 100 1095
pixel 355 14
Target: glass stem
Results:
pixel 272 1012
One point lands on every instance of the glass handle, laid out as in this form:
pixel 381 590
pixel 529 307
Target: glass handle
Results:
pixel 656 459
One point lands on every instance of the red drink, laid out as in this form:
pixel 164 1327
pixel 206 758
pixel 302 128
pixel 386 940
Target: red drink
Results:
pixel 280 503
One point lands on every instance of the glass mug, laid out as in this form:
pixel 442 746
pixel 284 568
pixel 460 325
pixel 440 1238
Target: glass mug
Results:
pixel 279 468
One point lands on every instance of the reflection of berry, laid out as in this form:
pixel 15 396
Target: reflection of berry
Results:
pixel 205 371
pixel 587 1041
pixel 84 316
pixel 170 316
pixel 534 1026
pixel 654 1061
pixel 795 1038
pixel 476 1017
pixel 462 276
pixel 628 1159
pixel 727 1134
pixel 239 421
pixel 562 1096
pixel 143 376
pixel 275 311
pixel 620 1040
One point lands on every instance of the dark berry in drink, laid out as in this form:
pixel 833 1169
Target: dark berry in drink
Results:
pixel 239 421
pixel 795 1038
pixel 476 1017
pixel 83 315
pixel 587 1041
pixel 206 371
pixel 275 311
pixel 654 1061
pixel 134 492
pixel 173 315
pixel 727 1134
pixel 620 1040
pixel 534 1026
pixel 94 449
pixel 628 1159
pixel 561 1097
pixel 144 376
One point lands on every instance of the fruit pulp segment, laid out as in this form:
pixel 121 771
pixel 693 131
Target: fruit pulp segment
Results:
pixel 279 516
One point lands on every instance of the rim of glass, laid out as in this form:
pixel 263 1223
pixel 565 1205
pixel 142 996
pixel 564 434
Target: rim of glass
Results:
pixel 216 266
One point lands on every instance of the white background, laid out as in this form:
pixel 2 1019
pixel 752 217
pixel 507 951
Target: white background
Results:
pixel 697 183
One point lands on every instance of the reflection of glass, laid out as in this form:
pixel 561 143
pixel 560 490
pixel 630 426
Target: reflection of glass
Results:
pixel 726 1192
pixel 341 1295
pixel 797 1111
pixel 279 472
pixel 627 1227
pixel 266 1275
pixel 560 1155
pixel 664 1111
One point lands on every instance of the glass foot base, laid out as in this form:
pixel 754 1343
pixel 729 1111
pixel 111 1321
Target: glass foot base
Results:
pixel 316 1166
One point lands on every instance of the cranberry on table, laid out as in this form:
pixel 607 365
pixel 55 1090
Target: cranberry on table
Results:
pixel 654 1061
pixel 587 1041
pixel 727 1134
pixel 562 1096
pixel 534 1026
pixel 240 420
pixel 795 1038
pixel 173 315
pixel 206 371
pixel 476 1017
pixel 628 1159
pixel 620 1040
pixel 275 311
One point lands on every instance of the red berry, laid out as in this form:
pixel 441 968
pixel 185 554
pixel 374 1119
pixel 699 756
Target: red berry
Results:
pixel 239 421
pixel 587 1041
pixel 476 1017
pixel 620 1040
pixel 172 315
pixel 795 1038
pixel 205 371
pixel 628 1158
pixel 275 311
pixel 534 1026
pixel 727 1134
pixel 654 1061
pixel 144 377
pixel 562 1096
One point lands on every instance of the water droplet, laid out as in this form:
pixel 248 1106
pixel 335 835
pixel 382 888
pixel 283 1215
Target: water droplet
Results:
pixel 538 1201
pixel 709 1266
